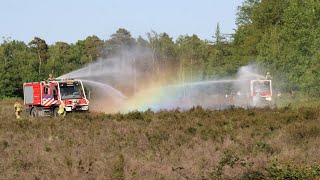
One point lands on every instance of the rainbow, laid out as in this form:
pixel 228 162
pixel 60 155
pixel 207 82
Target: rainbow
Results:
pixel 155 98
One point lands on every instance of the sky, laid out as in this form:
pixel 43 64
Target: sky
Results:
pixel 73 20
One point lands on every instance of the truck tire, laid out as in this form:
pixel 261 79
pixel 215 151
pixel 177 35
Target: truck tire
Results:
pixel 55 112
pixel 34 113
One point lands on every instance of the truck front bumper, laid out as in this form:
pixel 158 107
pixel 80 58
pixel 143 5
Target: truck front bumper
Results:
pixel 77 108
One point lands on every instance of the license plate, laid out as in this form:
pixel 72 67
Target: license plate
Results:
pixel 68 109
pixel 268 98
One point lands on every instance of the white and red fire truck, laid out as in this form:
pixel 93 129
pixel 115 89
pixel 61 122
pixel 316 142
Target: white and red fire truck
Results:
pixel 43 98
pixel 260 91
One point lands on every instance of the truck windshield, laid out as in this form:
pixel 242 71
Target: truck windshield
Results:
pixel 71 90
pixel 261 87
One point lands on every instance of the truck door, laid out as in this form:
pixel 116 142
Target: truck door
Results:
pixel 45 94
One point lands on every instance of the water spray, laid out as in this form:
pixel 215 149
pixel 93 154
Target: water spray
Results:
pixel 128 82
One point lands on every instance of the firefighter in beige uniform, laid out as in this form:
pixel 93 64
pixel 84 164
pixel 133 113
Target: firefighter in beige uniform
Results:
pixel 50 78
pixel 61 111
pixel 268 76
pixel 18 109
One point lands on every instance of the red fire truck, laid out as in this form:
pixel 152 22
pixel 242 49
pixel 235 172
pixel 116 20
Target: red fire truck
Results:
pixel 260 91
pixel 43 98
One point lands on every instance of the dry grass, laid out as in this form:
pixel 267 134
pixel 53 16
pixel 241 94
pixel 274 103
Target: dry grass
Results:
pixel 197 144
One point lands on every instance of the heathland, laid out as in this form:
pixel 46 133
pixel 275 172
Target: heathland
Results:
pixel 280 142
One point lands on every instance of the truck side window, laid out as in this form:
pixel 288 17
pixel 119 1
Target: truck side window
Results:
pixel 54 92
pixel 46 90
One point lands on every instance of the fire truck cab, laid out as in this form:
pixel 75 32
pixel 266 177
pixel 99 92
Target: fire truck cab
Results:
pixel 43 98
pixel 260 91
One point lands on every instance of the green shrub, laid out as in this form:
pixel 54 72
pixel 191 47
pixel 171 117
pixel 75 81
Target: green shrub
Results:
pixel 4 144
pixel 191 131
pixel 11 99
pixel 23 123
pixel 207 134
pixel 292 171
pixel 229 158
pixel 253 175
pixel 302 131
pixel 134 115
pixel 309 114
pixel 118 168
pixel 155 138
pixel 264 147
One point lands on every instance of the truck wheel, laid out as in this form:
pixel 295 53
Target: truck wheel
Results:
pixel 34 113
pixel 55 112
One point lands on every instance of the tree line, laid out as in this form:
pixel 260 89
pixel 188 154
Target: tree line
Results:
pixel 282 36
